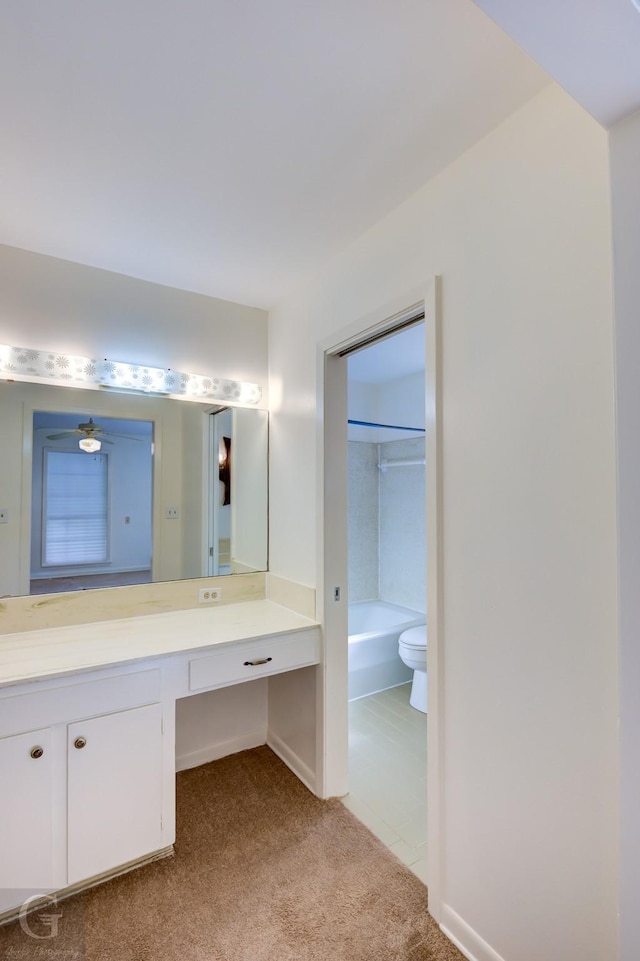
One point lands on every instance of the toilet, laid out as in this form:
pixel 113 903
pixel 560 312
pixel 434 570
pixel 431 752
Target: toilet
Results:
pixel 412 648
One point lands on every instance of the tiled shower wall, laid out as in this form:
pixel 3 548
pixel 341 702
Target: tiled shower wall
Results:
pixel 387 535
pixel 363 521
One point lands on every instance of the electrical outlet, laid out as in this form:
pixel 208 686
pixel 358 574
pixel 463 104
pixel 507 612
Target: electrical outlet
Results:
pixel 4 515
pixel 171 513
pixel 208 594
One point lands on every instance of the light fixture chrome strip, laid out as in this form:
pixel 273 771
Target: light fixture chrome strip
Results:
pixel 23 363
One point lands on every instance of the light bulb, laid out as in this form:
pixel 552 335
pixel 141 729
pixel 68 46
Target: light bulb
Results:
pixel 89 444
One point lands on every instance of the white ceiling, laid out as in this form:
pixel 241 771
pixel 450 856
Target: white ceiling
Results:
pixel 591 47
pixel 51 420
pixel 231 146
pixel 397 356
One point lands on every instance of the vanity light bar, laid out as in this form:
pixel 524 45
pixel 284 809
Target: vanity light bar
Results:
pixel 23 363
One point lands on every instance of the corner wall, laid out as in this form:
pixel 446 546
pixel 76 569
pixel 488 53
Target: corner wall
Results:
pixel 519 230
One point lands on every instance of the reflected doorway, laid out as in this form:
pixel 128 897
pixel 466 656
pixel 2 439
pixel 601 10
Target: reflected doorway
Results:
pixel 238 491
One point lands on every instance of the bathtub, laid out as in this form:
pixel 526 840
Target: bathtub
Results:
pixel 374 662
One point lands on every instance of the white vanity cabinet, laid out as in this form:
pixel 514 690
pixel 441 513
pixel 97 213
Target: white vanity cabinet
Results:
pixel 114 799
pixel 87 733
pixel 26 814
pixel 83 795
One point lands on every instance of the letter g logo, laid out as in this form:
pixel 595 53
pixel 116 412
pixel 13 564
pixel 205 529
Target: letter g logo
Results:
pixel 47 921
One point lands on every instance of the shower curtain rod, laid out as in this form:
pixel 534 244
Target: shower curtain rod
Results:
pixel 367 423
pixel 402 462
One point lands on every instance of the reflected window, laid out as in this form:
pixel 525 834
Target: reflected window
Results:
pixel 75 508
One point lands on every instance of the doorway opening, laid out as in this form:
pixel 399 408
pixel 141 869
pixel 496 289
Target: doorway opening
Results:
pixel 334 776
pixel 387 588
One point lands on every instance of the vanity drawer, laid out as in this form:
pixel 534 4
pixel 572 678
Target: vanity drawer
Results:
pixel 68 702
pixel 244 662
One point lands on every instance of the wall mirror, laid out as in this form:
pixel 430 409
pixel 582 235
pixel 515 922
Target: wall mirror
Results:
pixel 174 490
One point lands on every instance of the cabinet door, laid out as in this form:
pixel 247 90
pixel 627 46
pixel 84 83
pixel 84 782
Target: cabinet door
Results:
pixel 115 790
pixel 26 815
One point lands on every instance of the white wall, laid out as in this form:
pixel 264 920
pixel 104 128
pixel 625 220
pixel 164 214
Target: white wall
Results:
pixel 55 304
pixel 401 401
pixel 249 490
pixel 221 722
pixel 397 402
pixel 195 482
pixel 625 164
pixel 519 229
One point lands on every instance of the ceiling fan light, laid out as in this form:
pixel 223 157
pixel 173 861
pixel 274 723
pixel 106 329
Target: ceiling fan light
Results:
pixel 89 444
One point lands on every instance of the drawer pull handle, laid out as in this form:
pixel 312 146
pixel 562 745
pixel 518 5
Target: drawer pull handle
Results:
pixel 262 660
pixel 80 742
pixel 36 752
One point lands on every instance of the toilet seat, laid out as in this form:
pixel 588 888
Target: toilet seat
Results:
pixel 415 638
pixel 412 648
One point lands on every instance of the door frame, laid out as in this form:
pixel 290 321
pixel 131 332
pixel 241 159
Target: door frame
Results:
pixel 332 559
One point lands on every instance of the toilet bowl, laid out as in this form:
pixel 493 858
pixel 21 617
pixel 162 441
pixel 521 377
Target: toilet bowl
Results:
pixel 412 648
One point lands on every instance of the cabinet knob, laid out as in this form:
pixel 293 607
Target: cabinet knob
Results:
pixel 80 742
pixel 36 752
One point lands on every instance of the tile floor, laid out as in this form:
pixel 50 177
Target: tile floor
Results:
pixel 388 773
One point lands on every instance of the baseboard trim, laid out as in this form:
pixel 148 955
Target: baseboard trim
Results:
pixel 301 770
pixel 212 752
pixel 465 938
pixel 46 899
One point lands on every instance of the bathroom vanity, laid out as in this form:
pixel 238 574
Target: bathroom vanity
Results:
pixel 87 733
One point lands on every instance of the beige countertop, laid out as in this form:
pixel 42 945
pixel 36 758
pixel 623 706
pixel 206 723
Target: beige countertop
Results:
pixel 58 651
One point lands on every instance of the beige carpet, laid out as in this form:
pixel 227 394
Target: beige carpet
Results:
pixel 263 871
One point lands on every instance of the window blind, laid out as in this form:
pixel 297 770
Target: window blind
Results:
pixel 75 508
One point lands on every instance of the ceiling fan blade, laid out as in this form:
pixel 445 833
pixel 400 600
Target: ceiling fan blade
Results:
pixel 66 433
pixel 110 433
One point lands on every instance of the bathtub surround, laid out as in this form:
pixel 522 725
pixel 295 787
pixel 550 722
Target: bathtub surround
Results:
pixel 403 538
pixel 363 521
pixel 387 536
pixel 262 869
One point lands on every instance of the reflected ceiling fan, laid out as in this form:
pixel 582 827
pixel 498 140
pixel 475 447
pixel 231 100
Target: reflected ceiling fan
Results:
pixel 89 440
